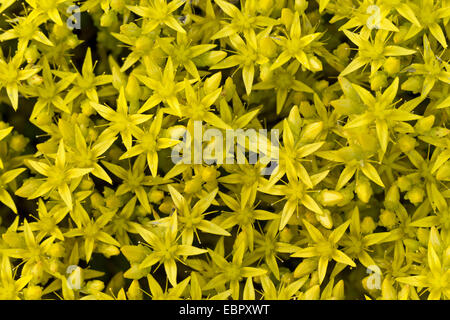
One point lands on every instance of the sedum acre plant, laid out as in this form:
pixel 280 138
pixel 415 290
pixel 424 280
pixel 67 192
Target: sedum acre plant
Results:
pixel 213 149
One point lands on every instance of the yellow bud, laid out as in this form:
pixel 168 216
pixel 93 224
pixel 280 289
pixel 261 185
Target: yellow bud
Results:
pixel 325 219
pixel 392 65
pixel 378 81
pixel 86 184
pixel 424 125
pixel 338 290
pixel 213 82
pixel 117 5
pixel 388 291
pixel 56 250
pixel 108 19
pixel 130 29
pixel 95 286
pixel 287 16
pixel 268 47
pixel 209 58
pixel 97 200
pixel 301 5
pixel 306 109
pixel 343 51
pixel 315 64
pixel 322 85
pixel 32 293
pixel 401 34
pixel 388 219
pixel 393 195
pixel 305 267
pixel 404 183
pixel 415 195
pixel 18 142
pixel 31 54
pixel 411 244
pixel 133 90
pixel 423 236
pixel 286 234
pixel 144 44
pixel 155 196
pixel 229 89
pixel 193 186
pixel 368 225
pixel 363 189
pixel 167 206
pixel 108 250
pixel 406 143
pixel 134 292
pixel 209 174
pixel 311 131
pixel 413 84
pixel 86 108
pixel 330 197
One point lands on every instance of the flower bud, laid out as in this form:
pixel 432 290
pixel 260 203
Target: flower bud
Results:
pixel 56 250
pixel 286 234
pixel 193 186
pixel 108 250
pixel 31 54
pixel 343 51
pixel 287 16
pixel 423 235
pixel 404 183
pixel 166 206
pixel 86 184
pixel 304 268
pixel 415 195
pixel 18 142
pixel 97 200
pixel 108 19
pixel 406 143
pixel 306 109
pixel 133 90
pixel 268 47
pixel 117 5
pixel 368 225
pixel 424 125
pixel 392 65
pixel 134 292
pixel 363 189
pixel 378 81
pixel 325 219
pixel 301 5
pixel 95 286
pixel 413 84
pixel 155 196
pixel 32 293
pixel 311 131
pixel 388 219
pixel 393 195
pixel 330 197
pixel 130 30
pixel 411 244
pixel 209 174
pixel 315 64
pixel 388 291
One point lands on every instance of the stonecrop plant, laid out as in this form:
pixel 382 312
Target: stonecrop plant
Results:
pixel 214 149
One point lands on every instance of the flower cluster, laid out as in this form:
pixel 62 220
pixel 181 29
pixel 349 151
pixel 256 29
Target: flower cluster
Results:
pixel 93 94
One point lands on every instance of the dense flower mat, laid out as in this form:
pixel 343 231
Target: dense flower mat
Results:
pixel 94 207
